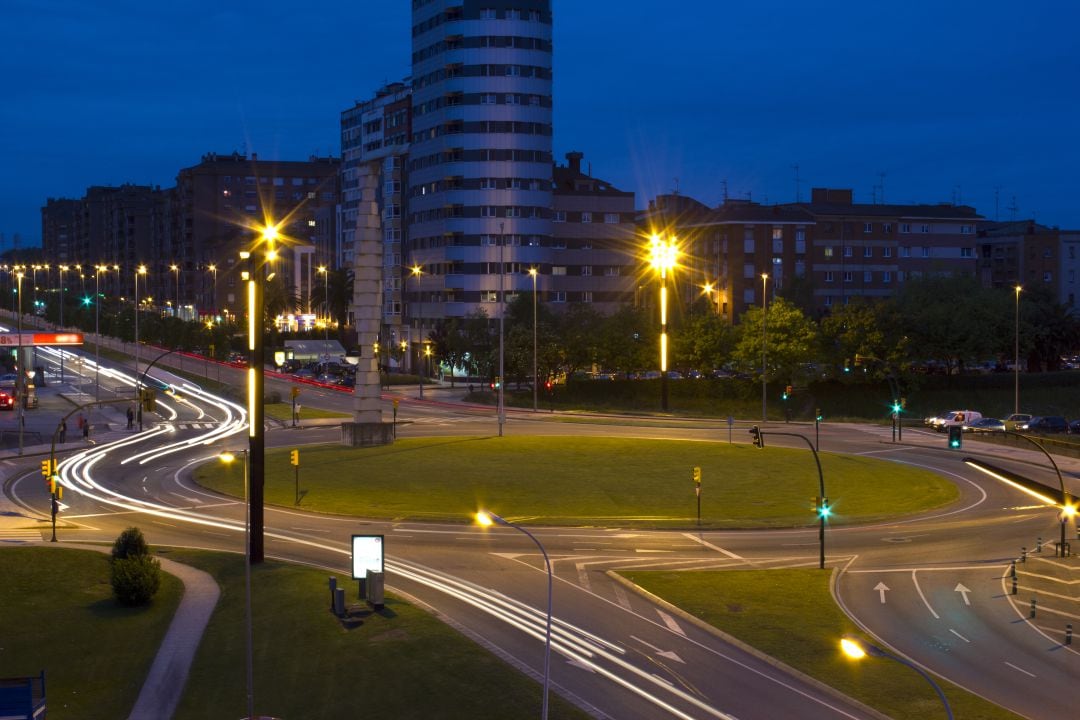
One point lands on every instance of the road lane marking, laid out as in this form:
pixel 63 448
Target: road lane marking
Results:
pixel 881 589
pixel 672 625
pixel 963 592
pixel 925 601
pixel 1019 669
pixel 621 597
pixel 669 654
pixel 709 545
pixel 959 635
pixel 583 576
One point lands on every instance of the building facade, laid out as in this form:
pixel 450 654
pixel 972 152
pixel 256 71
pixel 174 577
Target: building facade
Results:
pixel 1028 254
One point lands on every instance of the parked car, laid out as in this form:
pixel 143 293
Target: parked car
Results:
pixel 1016 419
pixel 1045 424
pixel 7 401
pixel 985 425
pixel 1074 426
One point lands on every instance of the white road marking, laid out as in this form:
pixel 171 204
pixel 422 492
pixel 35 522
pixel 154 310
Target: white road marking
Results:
pixel 959 635
pixel 583 577
pixel 881 589
pixel 669 654
pixel 963 592
pixel 709 545
pixel 925 601
pixel 621 597
pixel 1019 669
pixel 672 625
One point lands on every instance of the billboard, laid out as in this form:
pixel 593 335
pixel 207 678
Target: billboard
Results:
pixel 367 555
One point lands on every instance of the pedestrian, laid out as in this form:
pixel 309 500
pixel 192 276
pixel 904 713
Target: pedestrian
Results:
pixel 130 418
pixel 63 430
pixel 86 430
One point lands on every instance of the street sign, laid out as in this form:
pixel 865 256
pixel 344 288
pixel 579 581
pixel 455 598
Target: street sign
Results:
pixel 367 555
pixel 31 339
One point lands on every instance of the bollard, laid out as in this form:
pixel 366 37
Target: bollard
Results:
pixel 1012 569
pixel 333 587
pixel 1023 554
pixel 1068 634
pixel 1014 585
pixel 375 596
pixel 339 602
pixel 1032 607
pixel 1038 545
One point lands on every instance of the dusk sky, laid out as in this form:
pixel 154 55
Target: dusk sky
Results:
pixel 950 100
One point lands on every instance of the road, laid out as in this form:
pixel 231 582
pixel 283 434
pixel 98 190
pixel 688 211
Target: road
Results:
pixel 932 587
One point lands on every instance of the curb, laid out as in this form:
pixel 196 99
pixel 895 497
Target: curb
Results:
pixel 749 649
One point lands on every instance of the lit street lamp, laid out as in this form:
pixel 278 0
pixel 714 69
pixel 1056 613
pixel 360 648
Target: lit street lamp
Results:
pixel 228 457
pixel 213 287
pixel 857 649
pixel 486 519
pixel 416 271
pixel 98 269
pixel 176 274
pixel 63 269
pixel 326 309
pixel 764 317
pixel 535 382
pixel 663 256
pixel 20 378
pixel 1016 358
pixel 141 270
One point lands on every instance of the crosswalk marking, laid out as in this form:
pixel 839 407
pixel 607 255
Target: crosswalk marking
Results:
pixel 19 535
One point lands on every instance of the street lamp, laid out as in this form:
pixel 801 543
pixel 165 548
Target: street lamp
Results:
pixel 63 269
pixel 176 274
pixel 98 269
pixel 857 649
pixel 20 378
pixel 326 310
pixel 213 286
pixel 663 256
pixel 502 322
pixel 228 457
pixel 486 519
pixel 533 273
pixel 764 317
pixel 416 271
pixel 1016 357
pixel 141 270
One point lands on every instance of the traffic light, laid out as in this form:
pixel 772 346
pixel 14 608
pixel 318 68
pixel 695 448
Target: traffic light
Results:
pixel 787 393
pixel 697 475
pixel 759 440
pixel 896 407
pixel 956 437
pixel 847 366
pixel 903 403
pixel 818 416
pixel 48 468
pixel 149 399
pixel 294 391
pixel 823 509
pixel 294 457
pixel 56 488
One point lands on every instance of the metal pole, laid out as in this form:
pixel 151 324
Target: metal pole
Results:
pixel 502 316
pixel 20 379
pixel 136 335
pixel 764 318
pixel 536 378
pixel 61 320
pixel 97 333
pixel 247 587
pixel 663 339
pixel 821 489
pixel 1016 356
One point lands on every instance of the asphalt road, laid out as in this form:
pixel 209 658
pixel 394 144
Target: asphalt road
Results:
pixel 932 587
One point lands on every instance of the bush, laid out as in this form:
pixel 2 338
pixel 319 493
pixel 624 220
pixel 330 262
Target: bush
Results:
pixel 131 543
pixel 135 580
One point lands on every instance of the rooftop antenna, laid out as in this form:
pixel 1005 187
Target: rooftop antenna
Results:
pixel 798 194
pixel 723 184
pixel 1012 209
pixel 676 186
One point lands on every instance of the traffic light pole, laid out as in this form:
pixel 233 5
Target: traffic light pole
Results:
pixel 822 504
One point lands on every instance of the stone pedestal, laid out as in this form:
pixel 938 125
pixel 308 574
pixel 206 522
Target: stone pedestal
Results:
pixel 360 434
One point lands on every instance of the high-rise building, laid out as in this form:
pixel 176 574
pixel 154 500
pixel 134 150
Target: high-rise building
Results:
pixel 479 173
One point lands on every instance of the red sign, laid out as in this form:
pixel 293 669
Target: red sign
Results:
pixel 31 339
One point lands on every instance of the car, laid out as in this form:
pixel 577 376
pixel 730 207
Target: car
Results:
pixel 984 425
pixel 1074 426
pixel 957 417
pixel 1045 424
pixel 1016 419
pixel 7 401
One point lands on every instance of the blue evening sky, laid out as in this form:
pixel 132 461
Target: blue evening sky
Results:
pixel 951 100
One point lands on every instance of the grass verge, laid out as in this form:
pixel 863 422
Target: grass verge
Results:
pixel 589 481
pixel 283 411
pixel 769 610
pixel 400 663
pixel 59 616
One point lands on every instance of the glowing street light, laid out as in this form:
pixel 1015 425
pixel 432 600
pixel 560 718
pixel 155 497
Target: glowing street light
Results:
pixel 486 518
pixel 141 270
pixel 857 649
pixel 176 274
pixel 663 257
pixel 1016 358
pixel 326 310
pixel 536 380
pixel 764 317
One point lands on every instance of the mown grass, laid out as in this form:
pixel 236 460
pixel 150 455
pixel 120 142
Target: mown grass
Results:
pixel 791 615
pixel 589 481
pixel 57 614
pixel 400 663
pixel 283 411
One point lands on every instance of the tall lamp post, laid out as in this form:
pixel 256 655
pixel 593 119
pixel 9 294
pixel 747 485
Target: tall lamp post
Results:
pixel 213 286
pixel 176 275
pixel 141 270
pixel 228 457
pixel 502 319
pixel 324 271
pixel 63 269
pixel 415 271
pixel 486 519
pixel 857 649
pixel 663 256
pixel 20 378
pixel 1016 355
pixel 98 269
pixel 764 318
pixel 536 379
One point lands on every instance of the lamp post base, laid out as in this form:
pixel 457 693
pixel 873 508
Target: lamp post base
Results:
pixel 356 434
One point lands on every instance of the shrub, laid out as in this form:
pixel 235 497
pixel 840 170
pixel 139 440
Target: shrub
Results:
pixel 131 543
pixel 136 579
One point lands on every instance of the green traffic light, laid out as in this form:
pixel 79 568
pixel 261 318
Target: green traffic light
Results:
pixel 86 301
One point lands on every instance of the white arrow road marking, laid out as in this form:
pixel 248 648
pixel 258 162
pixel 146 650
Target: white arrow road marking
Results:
pixel 881 588
pixel 669 654
pixel 61 507
pixel 583 576
pixel 670 622
pixel 621 597
pixel 963 592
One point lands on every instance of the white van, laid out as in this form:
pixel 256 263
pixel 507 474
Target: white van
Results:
pixel 959 418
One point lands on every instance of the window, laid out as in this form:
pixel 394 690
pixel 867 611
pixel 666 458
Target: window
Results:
pixel 829 252
pixel 905 227
pixel 777 246
pixel 489 296
pixel 967 252
pixel 612 271
pixel 886 277
pixel 558 269
pixel 899 276
pixel 905 252
pixel 311 196
pixel 849 276
pixel 924 228
pixel 886 228
pixel 488 211
pixel 487 13
pixel 867 276
pixel 829 277
pixel 966 229
pixel 558 216
pixel 748 296
pixel 925 251
pixel 828 301
pixel 886 252
pixel 513 212
pixel 611 218
pixel 748 270
pixel 487 241
pixel 777 233
pixel 311 223
pixel 1048 277
pixel 748 243
pixel 1047 253
pixel 800 268
pixel 586 270
pixel 586 296
pixel 849 251
pixel 558 296
pixel 868 227
pixel 868 252
pixel 586 217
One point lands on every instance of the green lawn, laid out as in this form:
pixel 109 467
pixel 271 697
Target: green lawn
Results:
pixel 790 615
pixel 283 411
pixel 589 481
pixel 57 614
pixel 400 663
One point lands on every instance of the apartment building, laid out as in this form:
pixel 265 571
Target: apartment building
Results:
pixel 1028 254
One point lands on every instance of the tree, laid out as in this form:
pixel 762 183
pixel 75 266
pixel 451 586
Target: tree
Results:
pixel 135 575
pixel 627 341
pixel 704 342
pixel 867 329
pixel 791 342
